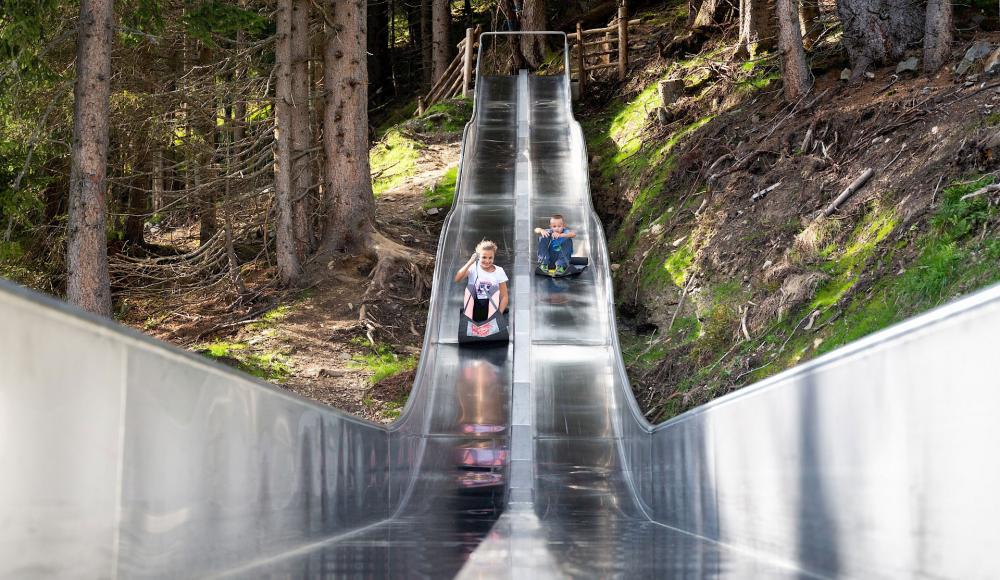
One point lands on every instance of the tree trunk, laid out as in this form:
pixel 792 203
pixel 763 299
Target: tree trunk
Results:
pixel 205 168
pixel 811 26
pixel 511 16
pixel 694 7
pixel 87 283
pixel 533 47
pixel 379 62
pixel 158 181
pixel 135 221
pixel 442 42
pixel 794 72
pixel 937 34
pixel 348 187
pixel 426 43
pixel 302 175
pixel 412 10
pixel 318 217
pixel 756 28
pixel 712 12
pixel 289 268
pixel 878 31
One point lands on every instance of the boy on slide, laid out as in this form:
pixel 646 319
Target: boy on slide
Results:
pixel 555 245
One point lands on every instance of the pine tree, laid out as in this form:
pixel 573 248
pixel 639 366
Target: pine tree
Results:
pixel 88 283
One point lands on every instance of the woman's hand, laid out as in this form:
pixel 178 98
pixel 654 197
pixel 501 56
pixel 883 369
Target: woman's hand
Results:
pixel 541 232
pixel 556 235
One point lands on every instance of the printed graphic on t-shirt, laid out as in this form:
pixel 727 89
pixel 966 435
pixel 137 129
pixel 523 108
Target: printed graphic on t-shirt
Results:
pixel 484 288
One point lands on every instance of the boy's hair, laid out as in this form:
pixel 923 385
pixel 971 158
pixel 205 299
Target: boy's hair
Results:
pixel 485 245
pixel 558 216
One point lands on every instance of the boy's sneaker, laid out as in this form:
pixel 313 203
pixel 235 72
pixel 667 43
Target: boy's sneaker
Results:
pixel 560 270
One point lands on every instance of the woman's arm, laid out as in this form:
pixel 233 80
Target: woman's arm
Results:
pixel 503 297
pixel 464 270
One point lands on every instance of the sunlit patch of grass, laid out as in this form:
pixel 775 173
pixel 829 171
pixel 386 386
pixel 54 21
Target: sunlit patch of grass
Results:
pixel 393 161
pixel 952 259
pixel 442 193
pixel 448 116
pixel 383 363
pixel 678 264
pixel 626 127
pixel 271 366
pixel 845 262
pixel 270 318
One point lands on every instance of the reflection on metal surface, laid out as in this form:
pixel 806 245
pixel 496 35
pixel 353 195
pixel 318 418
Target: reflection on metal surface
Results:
pixel 481 394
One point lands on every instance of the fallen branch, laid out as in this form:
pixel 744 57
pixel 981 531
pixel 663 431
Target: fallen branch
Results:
pixel 743 322
pixel 934 195
pixel 807 141
pixel 978 192
pixel 680 303
pixel 847 193
pixel 764 192
pixel 900 152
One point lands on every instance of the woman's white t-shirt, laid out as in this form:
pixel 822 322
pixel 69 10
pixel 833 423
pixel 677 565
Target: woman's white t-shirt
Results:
pixel 486 282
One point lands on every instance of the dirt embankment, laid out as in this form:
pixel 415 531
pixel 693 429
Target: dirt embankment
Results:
pixel 738 256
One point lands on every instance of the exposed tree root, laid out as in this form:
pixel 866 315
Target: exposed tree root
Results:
pixel 392 258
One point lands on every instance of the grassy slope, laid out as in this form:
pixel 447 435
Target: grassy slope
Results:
pixel 871 271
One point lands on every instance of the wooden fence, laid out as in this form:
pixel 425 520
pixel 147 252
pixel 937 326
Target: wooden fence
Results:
pixel 457 78
pixel 590 50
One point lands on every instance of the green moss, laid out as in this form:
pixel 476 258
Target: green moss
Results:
pixel 442 194
pixel 686 329
pixel 270 366
pixel 845 265
pixel 627 125
pixel 448 116
pixel 383 363
pixel 393 160
pixel 758 81
pixel 952 260
pixel 270 318
pixel 663 159
pixel 720 318
pixel 678 264
pixel 700 60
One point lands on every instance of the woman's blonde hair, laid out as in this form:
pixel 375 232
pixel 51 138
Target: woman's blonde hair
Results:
pixel 485 245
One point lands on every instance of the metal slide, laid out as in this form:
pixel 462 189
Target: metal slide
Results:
pixel 124 457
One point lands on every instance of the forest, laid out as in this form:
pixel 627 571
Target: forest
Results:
pixel 265 182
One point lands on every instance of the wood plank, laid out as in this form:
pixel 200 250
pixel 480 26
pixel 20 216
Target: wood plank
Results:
pixel 613 28
pixel 602 66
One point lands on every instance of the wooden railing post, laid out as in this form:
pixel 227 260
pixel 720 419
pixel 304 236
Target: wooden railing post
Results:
pixel 582 78
pixel 420 106
pixel 470 40
pixel 622 39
